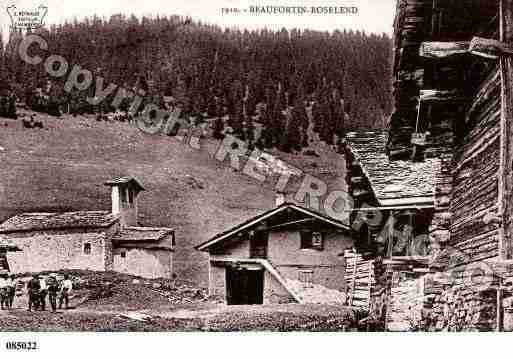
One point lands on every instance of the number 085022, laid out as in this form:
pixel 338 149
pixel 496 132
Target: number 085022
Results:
pixel 21 345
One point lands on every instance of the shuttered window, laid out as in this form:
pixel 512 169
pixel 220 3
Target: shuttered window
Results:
pixel 311 240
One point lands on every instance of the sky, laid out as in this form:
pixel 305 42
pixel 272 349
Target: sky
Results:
pixel 374 16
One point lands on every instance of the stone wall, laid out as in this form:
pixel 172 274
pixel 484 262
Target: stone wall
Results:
pixel 217 281
pixel 442 301
pixel 327 265
pixel 146 263
pixel 274 293
pixel 54 250
pixel 459 306
pixel 405 302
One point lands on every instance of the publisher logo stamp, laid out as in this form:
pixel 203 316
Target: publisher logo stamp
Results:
pixel 27 19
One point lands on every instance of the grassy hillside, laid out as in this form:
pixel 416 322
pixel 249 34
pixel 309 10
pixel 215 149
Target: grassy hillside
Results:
pixel 63 166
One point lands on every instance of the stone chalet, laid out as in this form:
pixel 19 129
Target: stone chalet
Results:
pixel 287 254
pixel 95 240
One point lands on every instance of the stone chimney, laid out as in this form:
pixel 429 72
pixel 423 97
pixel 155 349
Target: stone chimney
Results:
pixel 124 193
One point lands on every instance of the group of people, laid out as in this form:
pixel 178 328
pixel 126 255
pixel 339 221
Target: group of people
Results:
pixel 38 289
pixel 7 290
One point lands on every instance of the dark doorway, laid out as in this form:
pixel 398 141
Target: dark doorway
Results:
pixel 244 286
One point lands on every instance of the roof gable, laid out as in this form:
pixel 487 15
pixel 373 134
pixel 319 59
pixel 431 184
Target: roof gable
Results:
pixel 267 216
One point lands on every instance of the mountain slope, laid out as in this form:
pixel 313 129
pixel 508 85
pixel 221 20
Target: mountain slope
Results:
pixel 63 167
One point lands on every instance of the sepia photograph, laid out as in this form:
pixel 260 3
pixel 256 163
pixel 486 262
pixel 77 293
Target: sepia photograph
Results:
pixel 236 166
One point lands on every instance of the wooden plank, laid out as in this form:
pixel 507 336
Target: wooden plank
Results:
pixel 369 279
pixel 443 49
pixel 354 278
pixel 488 87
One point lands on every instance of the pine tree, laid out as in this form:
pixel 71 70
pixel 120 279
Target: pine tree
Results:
pixel 194 62
pixel 300 116
pixel 237 108
pixel 266 137
pixel 218 128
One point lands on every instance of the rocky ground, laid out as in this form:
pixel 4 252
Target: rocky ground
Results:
pixel 117 302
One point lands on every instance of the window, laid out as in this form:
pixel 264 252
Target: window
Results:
pixel 87 248
pixel 311 240
pixel 123 254
pixel 306 278
pixel 317 240
pixel 306 240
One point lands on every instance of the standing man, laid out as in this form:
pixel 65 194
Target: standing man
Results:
pixel 66 288
pixel 11 284
pixel 3 291
pixel 33 287
pixel 53 289
pixel 43 291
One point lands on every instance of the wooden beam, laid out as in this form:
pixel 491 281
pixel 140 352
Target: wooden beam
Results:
pixel 433 96
pixel 443 49
pixel 360 192
pixel 357 179
pixel 290 223
pixel 505 204
pixel 498 304
pixel 489 48
pixel 479 46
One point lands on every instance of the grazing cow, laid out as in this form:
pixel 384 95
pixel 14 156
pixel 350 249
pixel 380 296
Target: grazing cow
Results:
pixel 27 123
pixel 38 124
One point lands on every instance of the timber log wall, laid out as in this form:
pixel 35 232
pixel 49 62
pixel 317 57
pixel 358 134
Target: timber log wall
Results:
pixel 475 177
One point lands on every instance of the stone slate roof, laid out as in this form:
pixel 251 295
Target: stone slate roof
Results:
pixel 145 237
pixel 63 220
pixel 142 234
pixel 393 182
pixel 125 180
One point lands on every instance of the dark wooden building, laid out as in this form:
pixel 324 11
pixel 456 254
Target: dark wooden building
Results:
pixel 454 110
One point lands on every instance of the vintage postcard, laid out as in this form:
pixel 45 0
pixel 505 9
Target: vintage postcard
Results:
pixel 253 166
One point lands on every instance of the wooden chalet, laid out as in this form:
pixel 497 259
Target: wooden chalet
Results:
pixel 393 209
pixel 453 96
